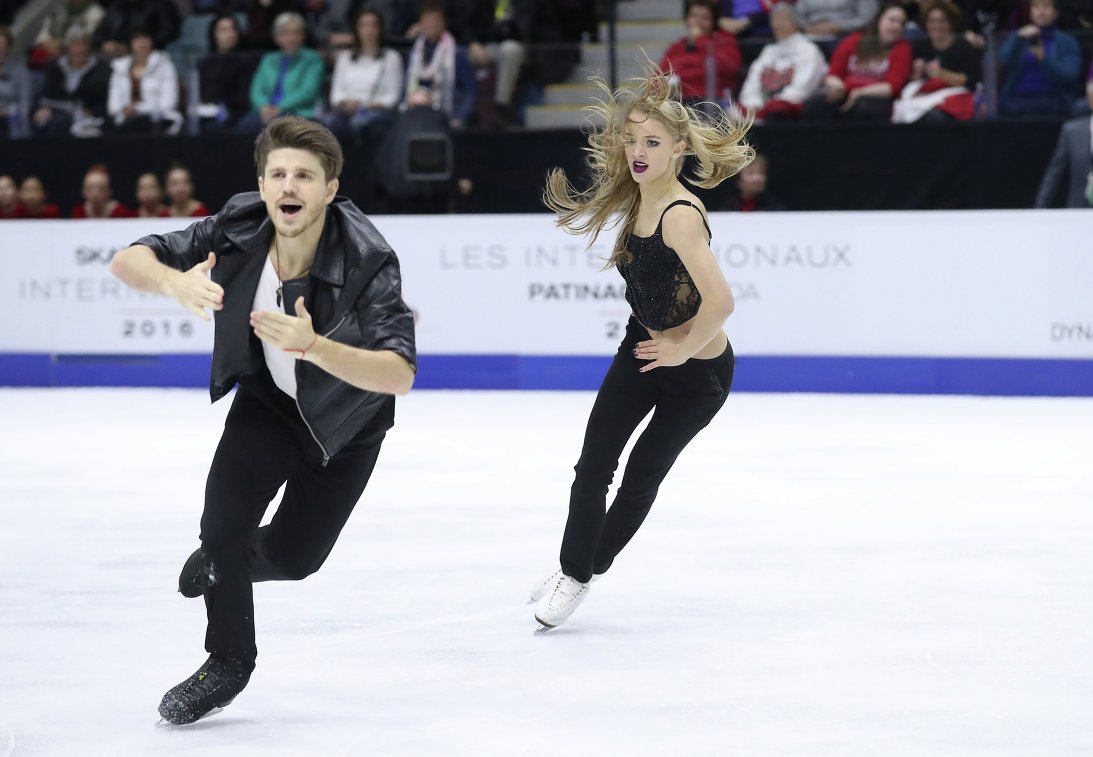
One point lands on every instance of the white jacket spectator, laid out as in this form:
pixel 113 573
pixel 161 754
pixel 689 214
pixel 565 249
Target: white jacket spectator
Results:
pixel 373 82
pixel 787 72
pixel 157 99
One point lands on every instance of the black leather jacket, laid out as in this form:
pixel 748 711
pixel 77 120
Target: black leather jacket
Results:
pixel 353 292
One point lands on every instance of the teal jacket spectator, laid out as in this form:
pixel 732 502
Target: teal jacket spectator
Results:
pixel 301 86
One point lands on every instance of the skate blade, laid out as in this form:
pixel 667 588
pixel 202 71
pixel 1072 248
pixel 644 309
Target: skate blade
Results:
pixel 543 627
pixel 161 723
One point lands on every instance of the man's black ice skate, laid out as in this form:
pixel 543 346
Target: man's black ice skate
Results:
pixel 213 686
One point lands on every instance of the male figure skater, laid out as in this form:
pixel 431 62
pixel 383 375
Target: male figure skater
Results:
pixel 310 323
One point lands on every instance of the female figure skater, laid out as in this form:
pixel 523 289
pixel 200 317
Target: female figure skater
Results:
pixel 675 358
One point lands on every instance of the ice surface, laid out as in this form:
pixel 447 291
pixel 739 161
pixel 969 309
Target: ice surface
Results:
pixel 821 575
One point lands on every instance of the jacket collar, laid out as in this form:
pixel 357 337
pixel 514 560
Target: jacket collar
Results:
pixel 246 223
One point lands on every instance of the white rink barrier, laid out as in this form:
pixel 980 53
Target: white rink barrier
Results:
pixel 977 301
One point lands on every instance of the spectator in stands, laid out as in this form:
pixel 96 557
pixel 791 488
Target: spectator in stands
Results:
pixel 74 92
pixel 159 17
pixel 833 18
pixel 1071 164
pixel 180 194
pixel 15 90
pixel 9 198
pixel 224 77
pixel 150 197
pixel 1042 66
pixel 705 62
pixel 439 74
pixel 742 18
pixel 288 81
pixel 32 199
pixel 493 33
pixel 944 73
pixel 367 83
pixel 98 197
pixel 868 70
pixel 751 189
pixel 144 88
pixel 787 72
pixel 64 16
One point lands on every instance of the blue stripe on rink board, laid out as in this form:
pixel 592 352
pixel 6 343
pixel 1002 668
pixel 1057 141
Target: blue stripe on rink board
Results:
pixel 888 375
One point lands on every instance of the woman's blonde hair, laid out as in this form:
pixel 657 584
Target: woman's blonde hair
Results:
pixel 717 142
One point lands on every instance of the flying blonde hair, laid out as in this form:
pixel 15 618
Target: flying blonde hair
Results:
pixel 717 142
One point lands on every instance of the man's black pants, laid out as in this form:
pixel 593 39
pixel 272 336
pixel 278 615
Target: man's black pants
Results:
pixel 266 443
pixel 684 399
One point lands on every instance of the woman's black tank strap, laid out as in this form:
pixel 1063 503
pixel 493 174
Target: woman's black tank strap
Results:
pixel 691 204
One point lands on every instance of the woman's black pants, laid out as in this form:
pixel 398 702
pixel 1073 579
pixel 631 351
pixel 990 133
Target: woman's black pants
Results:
pixel 684 399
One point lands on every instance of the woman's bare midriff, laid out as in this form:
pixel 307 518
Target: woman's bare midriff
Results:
pixel 712 349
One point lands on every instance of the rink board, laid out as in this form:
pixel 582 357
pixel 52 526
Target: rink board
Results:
pixel 983 302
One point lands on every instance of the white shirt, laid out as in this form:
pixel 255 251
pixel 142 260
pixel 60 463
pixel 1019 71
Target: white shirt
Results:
pixel 795 63
pixel 368 80
pixel 281 364
pixel 158 88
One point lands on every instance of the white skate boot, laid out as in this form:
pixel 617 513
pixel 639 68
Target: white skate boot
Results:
pixel 559 602
pixel 540 589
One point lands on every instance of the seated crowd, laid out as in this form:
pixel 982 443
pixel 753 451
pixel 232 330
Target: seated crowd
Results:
pixel 171 197
pixel 900 61
pixel 230 66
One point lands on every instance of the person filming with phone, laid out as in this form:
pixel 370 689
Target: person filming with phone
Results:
pixel 1042 66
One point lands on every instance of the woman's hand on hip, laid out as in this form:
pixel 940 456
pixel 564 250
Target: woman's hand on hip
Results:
pixel 664 353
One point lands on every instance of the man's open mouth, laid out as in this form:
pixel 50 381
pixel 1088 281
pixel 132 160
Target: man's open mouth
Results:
pixel 290 209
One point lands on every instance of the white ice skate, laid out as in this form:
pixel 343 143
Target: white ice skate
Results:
pixel 540 589
pixel 559 602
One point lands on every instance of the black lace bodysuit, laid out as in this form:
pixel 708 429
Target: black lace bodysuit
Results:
pixel 658 286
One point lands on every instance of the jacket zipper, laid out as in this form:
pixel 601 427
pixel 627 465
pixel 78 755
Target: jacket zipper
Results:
pixel 300 410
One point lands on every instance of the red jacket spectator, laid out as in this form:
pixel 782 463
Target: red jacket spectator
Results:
pixel 690 65
pixel 180 194
pixel 98 197
pixel 895 69
pixel 690 57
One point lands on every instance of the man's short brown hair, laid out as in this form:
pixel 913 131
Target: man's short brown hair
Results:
pixel 299 134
